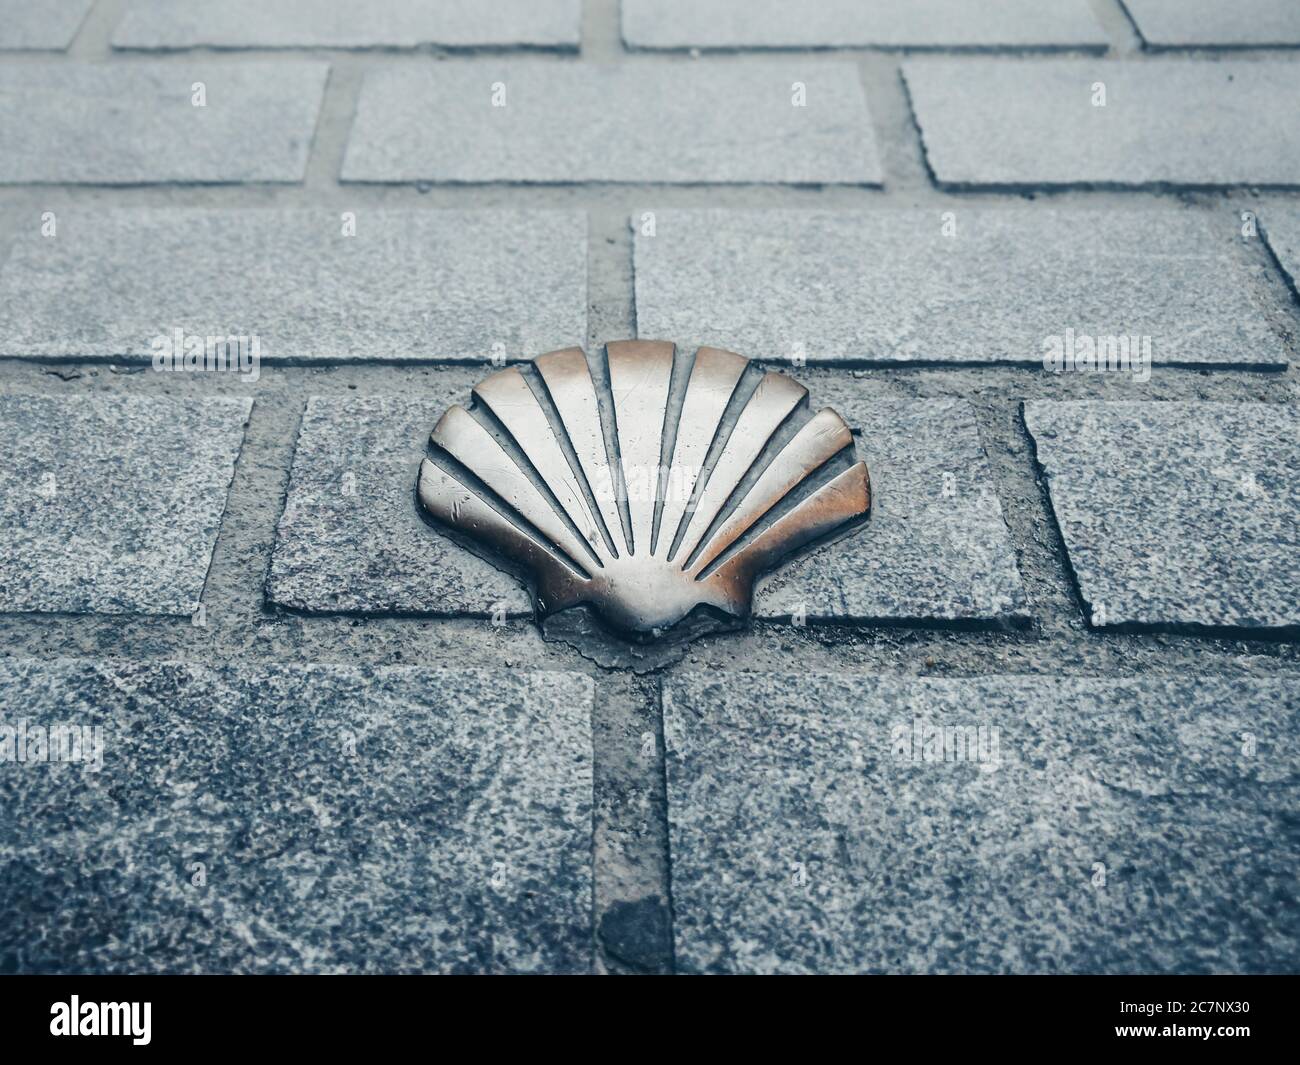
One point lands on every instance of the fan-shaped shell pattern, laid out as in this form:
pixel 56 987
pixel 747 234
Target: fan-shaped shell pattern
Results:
pixel 649 488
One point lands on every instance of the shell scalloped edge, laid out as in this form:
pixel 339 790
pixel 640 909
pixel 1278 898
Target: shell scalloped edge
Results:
pixel 655 485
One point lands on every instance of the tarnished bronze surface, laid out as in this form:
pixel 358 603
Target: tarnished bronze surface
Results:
pixel 642 536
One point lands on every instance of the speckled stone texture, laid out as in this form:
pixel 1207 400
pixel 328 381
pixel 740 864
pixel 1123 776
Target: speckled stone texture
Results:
pixel 48 26
pixel 136 123
pixel 1177 514
pixel 351 537
pixel 935 548
pixel 651 121
pixel 1186 122
pixel 1115 826
pixel 299 818
pixel 111 504
pixel 1281 227
pixel 408 286
pixel 852 23
pixel 1211 23
pixel 965 285
pixel 169 24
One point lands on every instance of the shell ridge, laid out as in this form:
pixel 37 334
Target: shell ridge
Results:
pixel 678 382
pixel 512 402
pixel 572 392
pixel 611 453
pixel 476 513
pixel 807 452
pixel 640 373
pixel 772 402
pixel 743 394
pixel 715 376
pixel 470 443
pixel 831 506
pixel 566 446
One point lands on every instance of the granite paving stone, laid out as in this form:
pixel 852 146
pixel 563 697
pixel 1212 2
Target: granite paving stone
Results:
pixel 352 540
pixel 351 537
pixel 838 823
pixel 133 123
pixel 966 285
pixel 408 286
pixel 935 547
pixel 111 504
pixel 304 818
pixel 48 26
pixel 1177 514
pixel 535 122
pixel 1034 123
pixel 1211 23
pixel 1281 228
pixel 172 24
pixel 853 24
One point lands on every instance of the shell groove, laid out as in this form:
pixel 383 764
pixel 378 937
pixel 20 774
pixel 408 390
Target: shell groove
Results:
pixel 653 486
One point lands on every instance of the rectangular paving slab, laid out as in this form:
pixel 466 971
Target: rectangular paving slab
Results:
pixel 1002 824
pixel 351 537
pixel 854 24
pixel 407 286
pixel 535 122
pixel 111 504
pixel 1177 515
pixel 1212 23
pixel 295 818
pixel 958 285
pixel 129 123
pixel 935 548
pixel 170 24
pixel 1007 123
pixel 48 26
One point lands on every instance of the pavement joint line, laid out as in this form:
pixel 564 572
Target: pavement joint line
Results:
pixel 1125 41
pixel 602 32
pixel 1043 564
pixel 894 124
pixel 333 125
pixel 252 512
pixel 611 293
pixel 91 41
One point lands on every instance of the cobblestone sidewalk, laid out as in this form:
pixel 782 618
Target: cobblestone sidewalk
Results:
pixel 1038 714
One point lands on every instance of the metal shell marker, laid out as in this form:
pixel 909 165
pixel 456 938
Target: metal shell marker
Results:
pixel 644 483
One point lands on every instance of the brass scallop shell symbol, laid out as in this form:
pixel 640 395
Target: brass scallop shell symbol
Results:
pixel 653 486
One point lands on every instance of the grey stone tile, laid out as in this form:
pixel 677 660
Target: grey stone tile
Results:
pixel 298 818
pixel 935 547
pixel 1281 228
pixel 654 121
pixel 1202 23
pixel 170 24
pixel 1177 514
pixel 135 123
pixel 853 24
pixel 111 504
pixel 47 27
pixel 1183 122
pixel 408 286
pixel 1113 825
pixel 351 537
pixel 891 286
